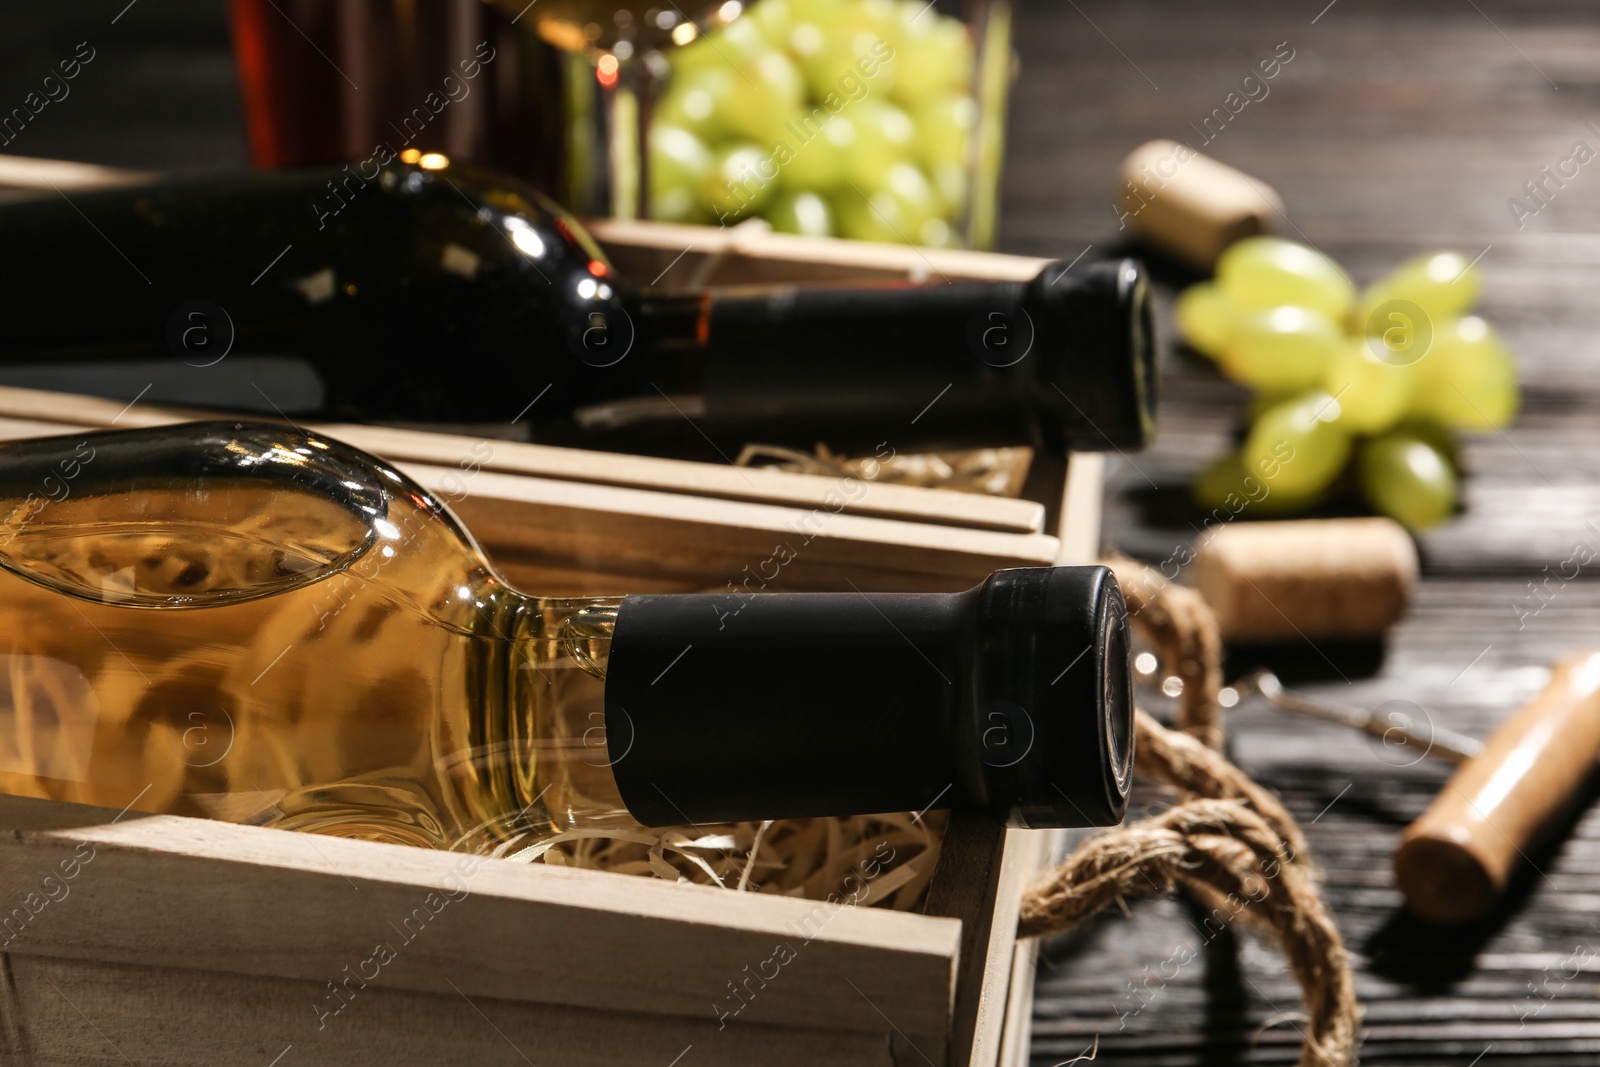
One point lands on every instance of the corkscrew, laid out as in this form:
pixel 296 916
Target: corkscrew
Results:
pixel 1441 744
pixel 1455 861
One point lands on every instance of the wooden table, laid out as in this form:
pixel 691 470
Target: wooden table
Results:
pixel 1393 130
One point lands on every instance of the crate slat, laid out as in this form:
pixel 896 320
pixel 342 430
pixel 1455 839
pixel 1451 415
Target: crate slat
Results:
pixel 172 891
pixel 677 256
pixel 72 1013
pixel 883 500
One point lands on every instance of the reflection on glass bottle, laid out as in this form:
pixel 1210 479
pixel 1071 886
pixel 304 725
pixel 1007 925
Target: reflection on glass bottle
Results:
pixel 250 623
pixel 348 664
pixel 327 83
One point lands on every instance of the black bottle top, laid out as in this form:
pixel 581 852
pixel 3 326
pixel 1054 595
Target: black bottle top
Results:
pixel 430 292
pixel 1013 697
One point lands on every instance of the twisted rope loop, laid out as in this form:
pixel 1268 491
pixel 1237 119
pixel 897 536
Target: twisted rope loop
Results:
pixel 1180 624
pixel 1230 842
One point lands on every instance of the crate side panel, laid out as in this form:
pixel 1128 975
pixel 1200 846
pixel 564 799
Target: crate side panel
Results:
pixel 75 1012
pixel 172 891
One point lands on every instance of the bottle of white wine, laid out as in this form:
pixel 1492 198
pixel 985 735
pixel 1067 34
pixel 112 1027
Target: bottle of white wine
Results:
pixel 247 622
pixel 436 293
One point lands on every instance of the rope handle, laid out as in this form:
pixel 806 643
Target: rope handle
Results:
pixel 1230 842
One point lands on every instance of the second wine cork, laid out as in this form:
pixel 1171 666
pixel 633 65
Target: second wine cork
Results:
pixel 1312 578
pixel 1189 204
pixel 1456 859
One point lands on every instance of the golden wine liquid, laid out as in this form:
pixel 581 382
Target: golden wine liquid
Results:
pixel 240 650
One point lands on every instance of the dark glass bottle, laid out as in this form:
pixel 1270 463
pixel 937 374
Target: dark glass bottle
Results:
pixel 456 76
pixel 433 293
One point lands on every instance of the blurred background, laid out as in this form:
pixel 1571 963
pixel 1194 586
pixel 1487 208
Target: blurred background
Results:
pixel 1394 130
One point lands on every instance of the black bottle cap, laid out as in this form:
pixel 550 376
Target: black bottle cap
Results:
pixel 1097 387
pixel 1013 697
pixel 1064 362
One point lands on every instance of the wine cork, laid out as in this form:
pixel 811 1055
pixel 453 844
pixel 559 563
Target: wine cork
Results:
pixel 1453 862
pixel 1190 205
pixel 1315 578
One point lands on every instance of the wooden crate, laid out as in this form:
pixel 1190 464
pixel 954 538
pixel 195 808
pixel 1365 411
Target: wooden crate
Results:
pixel 185 941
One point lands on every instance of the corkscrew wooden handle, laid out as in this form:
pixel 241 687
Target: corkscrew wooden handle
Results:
pixel 1455 860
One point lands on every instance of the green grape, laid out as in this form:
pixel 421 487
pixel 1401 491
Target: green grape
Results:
pixel 953 185
pixel 679 168
pixel 737 184
pixel 885 138
pixel 1397 332
pixel 1372 394
pixel 944 125
pixel 1282 350
pixel 819 154
pixel 820 12
pixel 1261 403
pixel 1441 439
pixel 1468 379
pixel 802 213
pixel 766 93
pixel 876 216
pixel 837 74
pixel 1297 446
pixel 697 101
pixel 774 18
pixel 807 43
pixel 921 199
pixel 1205 320
pixel 1407 479
pixel 1265 272
pixel 877 17
pixel 1226 485
pixel 937 233
pixel 1442 284
pixel 738 41
pixel 933 54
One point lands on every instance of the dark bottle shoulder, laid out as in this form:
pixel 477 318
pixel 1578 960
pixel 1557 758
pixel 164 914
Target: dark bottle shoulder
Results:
pixel 446 283
pixel 400 221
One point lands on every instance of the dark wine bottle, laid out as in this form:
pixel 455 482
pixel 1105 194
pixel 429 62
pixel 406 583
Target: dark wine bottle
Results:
pixel 428 292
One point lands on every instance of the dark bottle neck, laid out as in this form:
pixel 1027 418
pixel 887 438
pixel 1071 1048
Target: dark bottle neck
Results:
pixel 1012 698
pixel 644 383
pixel 1061 362
pixel 1064 361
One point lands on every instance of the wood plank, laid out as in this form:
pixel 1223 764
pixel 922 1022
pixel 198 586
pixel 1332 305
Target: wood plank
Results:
pixel 61 1012
pixel 884 500
pixel 166 891
pixel 680 256
pixel 1078 525
pixel 719 540
pixel 970 887
pixel 765 484
pixel 23 172
pixel 694 542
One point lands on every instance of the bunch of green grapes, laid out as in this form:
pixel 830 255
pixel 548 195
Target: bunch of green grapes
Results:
pixel 1372 382
pixel 848 118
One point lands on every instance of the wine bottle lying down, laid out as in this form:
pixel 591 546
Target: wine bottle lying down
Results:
pixel 436 293
pixel 247 622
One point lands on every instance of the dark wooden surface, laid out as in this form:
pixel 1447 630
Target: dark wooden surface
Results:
pixel 1395 129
